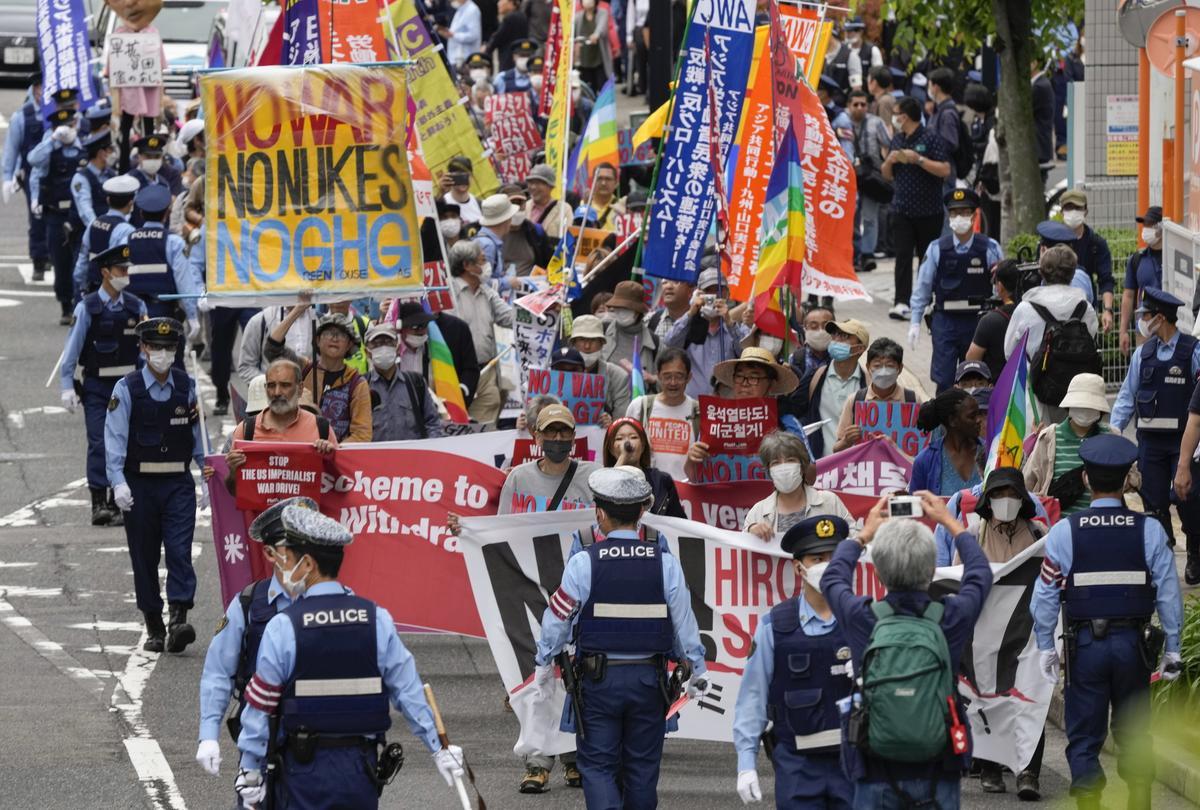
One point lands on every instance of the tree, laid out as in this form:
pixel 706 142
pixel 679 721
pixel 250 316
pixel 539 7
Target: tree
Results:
pixel 1022 32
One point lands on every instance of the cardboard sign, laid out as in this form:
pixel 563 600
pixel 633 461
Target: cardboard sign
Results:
pixel 892 420
pixel 592 238
pixel 526 449
pixel 275 471
pixel 533 339
pixel 582 394
pixel 736 426
pixel 134 59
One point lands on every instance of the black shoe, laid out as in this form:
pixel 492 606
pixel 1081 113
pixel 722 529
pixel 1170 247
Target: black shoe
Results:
pixel 536 780
pixel 991 779
pixel 868 265
pixel 39 271
pixel 1191 571
pixel 156 632
pixel 1028 789
pixel 572 776
pixel 221 408
pixel 180 633
pixel 101 516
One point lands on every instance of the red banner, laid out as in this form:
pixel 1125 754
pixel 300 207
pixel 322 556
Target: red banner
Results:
pixel 514 134
pixel 275 471
pixel 527 450
pixel 736 426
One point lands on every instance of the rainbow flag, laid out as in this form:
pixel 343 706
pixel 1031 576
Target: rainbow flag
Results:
pixel 599 141
pixel 445 378
pixel 637 381
pixel 782 248
pixel 1012 413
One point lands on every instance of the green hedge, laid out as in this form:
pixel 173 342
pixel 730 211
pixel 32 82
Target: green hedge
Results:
pixel 1183 694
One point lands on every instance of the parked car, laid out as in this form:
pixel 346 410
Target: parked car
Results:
pixel 18 39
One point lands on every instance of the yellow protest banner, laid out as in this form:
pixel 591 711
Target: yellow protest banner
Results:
pixel 307 181
pixel 558 124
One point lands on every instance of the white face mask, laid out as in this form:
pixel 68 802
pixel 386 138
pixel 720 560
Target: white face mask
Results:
pixel 897 122
pixel 812 576
pixel 1149 235
pixel 110 161
pixel 536 81
pixel 708 312
pixel 486 270
pixel 960 225
pixel 624 317
pixel 294 589
pixel 478 74
pixel 818 339
pixel 590 358
pixel 416 341
pixel 771 343
pixel 450 228
pixel 150 166
pixel 119 282
pixel 1073 219
pixel 1006 509
pixel 1144 327
pixel 787 476
pixel 885 377
pixel 383 357
pixel 522 63
pixel 518 218
pixel 160 360
pixel 1084 417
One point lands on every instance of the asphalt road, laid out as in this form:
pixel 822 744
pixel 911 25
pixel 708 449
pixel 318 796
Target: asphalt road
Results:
pixel 89 721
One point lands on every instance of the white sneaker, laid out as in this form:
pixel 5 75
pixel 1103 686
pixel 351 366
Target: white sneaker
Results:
pixel 900 312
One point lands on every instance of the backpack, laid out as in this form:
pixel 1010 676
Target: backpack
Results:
pixel 964 154
pixel 907 681
pixel 1067 349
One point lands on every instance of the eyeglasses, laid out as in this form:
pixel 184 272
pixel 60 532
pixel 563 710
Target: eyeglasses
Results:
pixel 673 378
pixel 749 379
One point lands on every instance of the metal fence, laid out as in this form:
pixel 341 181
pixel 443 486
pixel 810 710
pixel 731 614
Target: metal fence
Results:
pixel 1114 364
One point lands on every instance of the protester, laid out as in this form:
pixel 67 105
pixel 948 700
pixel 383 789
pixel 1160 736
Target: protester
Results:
pixel 817 339
pixel 496 218
pixel 885 362
pixel 401 404
pixel 675 301
pixel 629 328
pixel 705 334
pixel 475 300
pixel 584 353
pixel 821 396
pixel 593 54
pixel 987 344
pixel 1053 467
pixel 252 355
pixel 952 461
pixel 788 465
pixel 1142 271
pixel 603 195
pixel 542 208
pixel 626 445
pixel 456 189
pixel 1091 251
pixel 671 418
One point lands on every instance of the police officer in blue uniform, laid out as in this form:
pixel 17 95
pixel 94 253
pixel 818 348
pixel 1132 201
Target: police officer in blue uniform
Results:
pixel 233 652
pixel 55 161
pixel 107 230
pixel 801 701
pixel 25 130
pixel 103 344
pixel 956 274
pixel 160 266
pixel 87 186
pixel 516 79
pixel 327 667
pixel 628 609
pixel 1111 569
pixel 97 119
pixel 151 433
pixel 1162 374
pixel 149 163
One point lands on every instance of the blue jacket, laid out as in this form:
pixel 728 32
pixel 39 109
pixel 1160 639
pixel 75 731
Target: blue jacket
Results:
pixel 927 467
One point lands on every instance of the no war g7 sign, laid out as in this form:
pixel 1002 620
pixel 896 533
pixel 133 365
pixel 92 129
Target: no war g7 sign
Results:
pixel 892 420
pixel 582 394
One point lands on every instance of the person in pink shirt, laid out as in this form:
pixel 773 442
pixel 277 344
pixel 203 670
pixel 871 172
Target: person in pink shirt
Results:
pixel 137 102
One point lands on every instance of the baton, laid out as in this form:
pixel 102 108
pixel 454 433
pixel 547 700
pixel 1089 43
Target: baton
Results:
pixel 445 740
pixel 199 402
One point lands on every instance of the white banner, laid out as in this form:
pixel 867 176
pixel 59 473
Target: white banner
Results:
pixel 134 59
pixel 516 561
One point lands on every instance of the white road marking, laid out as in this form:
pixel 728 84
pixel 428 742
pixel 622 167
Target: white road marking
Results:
pixel 9 302
pixel 35 593
pixel 28 515
pixel 104 626
pixel 28 293
pixel 17 565
pixel 63 661
pixel 25 268
pixel 17 418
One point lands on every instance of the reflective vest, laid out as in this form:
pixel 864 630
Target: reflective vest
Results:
pixel 810 677
pixel 110 347
pixel 963 281
pixel 626 610
pixel 1109 577
pixel 150 274
pixel 99 240
pixel 1165 387
pixel 160 433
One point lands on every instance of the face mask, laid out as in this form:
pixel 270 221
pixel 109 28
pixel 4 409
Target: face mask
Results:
pixel 478 74
pixel 960 225
pixel 771 343
pixel 885 377
pixel 536 81
pixel 416 341
pixel 522 63
pixel 294 589
pixel 897 122
pixel 556 450
pixel 1084 417
pixel 383 357
pixel 119 282
pixel 150 166
pixel 518 219
pixel 1006 509
pixel 1149 235
pixel 160 360
pixel 787 476
pixel 812 576
pixel 450 228
pixel 110 161
pixel 589 358
pixel 608 316
pixel 818 339
pixel 1144 327
pixel 1073 219
pixel 840 351
pixel 486 270
pixel 625 317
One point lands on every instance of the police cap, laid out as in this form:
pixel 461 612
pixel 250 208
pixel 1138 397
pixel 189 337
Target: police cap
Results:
pixel 97 141
pixel 150 144
pixel 115 256
pixel 121 184
pixel 855 24
pixel 100 113
pixel 524 47
pixel 307 527
pixel 536 63
pixel 268 527
pixel 65 95
pixel 160 332
pixel 61 117
pixel 477 59
pixel 1157 301
pixel 622 485
pixel 814 535
pixel 1108 450
pixel 153 199
pixel 961 198
pixel 1055 233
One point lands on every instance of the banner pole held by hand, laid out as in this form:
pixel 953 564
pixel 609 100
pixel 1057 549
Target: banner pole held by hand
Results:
pixel 445 740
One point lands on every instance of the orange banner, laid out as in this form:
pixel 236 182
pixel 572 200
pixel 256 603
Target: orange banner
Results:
pixel 354 32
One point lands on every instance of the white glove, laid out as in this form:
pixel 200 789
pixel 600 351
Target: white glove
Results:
pixel 543 677
pixel 449 761
pixel 1048 663
pixel 65 135
pixel 204 305
pixel 192 327
pixel 250 788
pixel 202 501
pixel 8 189
pixel 70 401
pixel 747 788
pixel 697 688
pixel 36 208
pixel 1173 660
pixel 123 497
pixel 209 756
pixel 914 335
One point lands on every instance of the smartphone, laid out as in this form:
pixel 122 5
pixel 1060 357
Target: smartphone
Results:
pixel 460 178
pixel 905 506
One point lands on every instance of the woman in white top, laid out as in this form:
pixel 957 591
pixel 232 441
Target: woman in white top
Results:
pixel 787 462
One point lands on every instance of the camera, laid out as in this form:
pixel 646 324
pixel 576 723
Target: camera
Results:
pixel 710 299
pixel 905 506
pixel 459 178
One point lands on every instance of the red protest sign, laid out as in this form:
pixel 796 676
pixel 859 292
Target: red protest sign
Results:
pixel 582 394
pixel 736 426
pixel 896 421
pixel 514 134
pixel 527 450
pixel 275 471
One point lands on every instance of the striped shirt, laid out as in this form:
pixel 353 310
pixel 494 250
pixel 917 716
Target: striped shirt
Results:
pixel 1066 458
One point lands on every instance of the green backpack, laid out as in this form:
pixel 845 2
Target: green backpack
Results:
pixel 906 681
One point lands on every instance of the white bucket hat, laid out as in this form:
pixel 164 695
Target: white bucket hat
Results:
pixel 1086 391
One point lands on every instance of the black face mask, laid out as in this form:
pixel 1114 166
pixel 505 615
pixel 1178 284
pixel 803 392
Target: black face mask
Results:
pixel 556 450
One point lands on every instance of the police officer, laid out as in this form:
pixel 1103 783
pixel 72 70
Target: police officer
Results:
pixel 1110 582
pixel 956 274
pixel 25 130
pixel 808 772
pixel 516 79
pixel 101 341
pixel 97 119
pixel 327 666
pixel 160 266
pixel 87 186
pixel 107 230
pixel 55 161
pixel 151 432
pixel 628 609
pixel 229 663
pixel 150 161
pixel 1157 389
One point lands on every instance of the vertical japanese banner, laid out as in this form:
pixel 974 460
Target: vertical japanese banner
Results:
pixel 558 123
pixel 352 31
pixel 554 51
pixel 301 33
pixel 684 201
pixel 309 186
pixel 64 49
pixel 807 35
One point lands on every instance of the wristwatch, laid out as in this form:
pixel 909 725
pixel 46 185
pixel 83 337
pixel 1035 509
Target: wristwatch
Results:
pixel 920 160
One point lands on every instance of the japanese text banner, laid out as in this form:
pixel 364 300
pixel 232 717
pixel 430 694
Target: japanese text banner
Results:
pixel 62 36
pixel 308 182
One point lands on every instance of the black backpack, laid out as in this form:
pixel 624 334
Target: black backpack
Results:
pixel 964 154
pixel 1067 349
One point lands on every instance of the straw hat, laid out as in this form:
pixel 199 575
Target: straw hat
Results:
pixel 784 379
